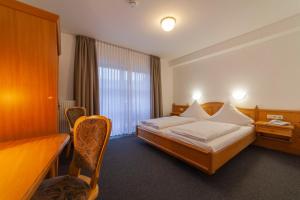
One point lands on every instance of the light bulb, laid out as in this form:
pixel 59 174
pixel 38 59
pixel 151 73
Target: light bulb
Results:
pixel 168 23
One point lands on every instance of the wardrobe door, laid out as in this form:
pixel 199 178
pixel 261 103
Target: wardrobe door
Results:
pixel 28 75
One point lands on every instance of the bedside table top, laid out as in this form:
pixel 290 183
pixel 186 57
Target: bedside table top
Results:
pixel 264 123
pixel 266 129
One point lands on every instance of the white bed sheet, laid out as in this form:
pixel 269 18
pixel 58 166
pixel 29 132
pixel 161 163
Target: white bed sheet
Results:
pixel 165 122
pixel 213 146
pixel 204 131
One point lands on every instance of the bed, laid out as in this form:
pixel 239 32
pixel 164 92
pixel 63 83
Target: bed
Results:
pixel 206 157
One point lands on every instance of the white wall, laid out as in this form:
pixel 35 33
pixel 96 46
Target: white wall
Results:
pixel 66 67
pixel 167 86
pixel 269 70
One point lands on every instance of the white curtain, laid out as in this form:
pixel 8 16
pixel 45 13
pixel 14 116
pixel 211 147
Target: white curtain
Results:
pixel 124 78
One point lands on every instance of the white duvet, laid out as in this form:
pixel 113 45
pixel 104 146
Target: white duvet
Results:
pixel 204 131
pixel 165 122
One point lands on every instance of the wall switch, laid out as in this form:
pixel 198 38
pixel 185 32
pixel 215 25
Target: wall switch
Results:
pixel 277 117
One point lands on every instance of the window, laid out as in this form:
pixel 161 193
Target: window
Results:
pixel 124 82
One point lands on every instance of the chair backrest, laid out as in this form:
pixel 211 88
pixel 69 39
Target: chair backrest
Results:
pixel 91 136
pixel 73 113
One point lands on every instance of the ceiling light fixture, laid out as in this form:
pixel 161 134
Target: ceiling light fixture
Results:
pixel 168 23
pixel 132 3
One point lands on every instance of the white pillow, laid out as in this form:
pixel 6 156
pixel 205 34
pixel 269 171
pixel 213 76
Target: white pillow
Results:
pixel 195 111
pixel 229 114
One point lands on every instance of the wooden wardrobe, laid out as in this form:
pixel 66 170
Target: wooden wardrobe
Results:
pixel 29 50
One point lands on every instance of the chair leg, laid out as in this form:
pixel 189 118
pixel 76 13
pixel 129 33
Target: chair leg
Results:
pixel 69 149
pixel 53 172
pixel 93 193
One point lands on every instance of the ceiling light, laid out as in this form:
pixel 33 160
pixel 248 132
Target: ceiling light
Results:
pixel 168 23
pixel 132 3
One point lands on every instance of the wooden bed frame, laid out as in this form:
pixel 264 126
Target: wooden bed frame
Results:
pixel 202 159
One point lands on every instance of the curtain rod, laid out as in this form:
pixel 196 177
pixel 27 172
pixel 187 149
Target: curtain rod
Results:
pixel 119 46
pixel 123 47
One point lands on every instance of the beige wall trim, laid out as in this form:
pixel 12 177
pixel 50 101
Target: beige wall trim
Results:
pixel 278 29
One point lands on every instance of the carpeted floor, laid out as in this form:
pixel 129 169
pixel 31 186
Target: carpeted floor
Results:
pixel 134 170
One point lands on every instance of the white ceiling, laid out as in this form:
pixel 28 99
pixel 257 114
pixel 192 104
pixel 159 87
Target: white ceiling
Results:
pixel 200 23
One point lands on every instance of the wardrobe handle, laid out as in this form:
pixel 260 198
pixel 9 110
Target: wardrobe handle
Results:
pixel 50 97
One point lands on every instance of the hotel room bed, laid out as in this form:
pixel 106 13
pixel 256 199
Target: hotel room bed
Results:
pixel 212 146
pixel 206 156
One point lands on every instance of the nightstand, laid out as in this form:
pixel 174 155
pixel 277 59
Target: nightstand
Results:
pixel 274 132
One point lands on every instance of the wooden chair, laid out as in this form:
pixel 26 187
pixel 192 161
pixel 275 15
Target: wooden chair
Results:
pixel 72 114
pixel 91 136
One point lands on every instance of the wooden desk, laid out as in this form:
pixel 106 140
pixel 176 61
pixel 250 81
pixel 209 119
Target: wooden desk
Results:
pixel 25 163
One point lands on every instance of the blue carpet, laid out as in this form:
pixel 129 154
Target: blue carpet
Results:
pixel 134 170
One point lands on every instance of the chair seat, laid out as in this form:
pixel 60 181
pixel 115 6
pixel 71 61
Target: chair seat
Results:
pixel 62 188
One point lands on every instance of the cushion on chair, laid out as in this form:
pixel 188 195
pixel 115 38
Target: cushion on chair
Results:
pixel 90 137
pixel 62 188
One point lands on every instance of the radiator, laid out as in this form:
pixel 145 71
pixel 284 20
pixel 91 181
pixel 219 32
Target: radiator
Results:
pixel 63 123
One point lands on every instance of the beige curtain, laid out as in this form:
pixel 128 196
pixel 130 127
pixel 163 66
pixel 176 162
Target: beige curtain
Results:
pixel 86 84
pixel 155 84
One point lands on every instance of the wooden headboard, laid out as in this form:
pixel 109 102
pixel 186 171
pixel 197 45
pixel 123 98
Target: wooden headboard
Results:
pixel 211 108
pixel 256 113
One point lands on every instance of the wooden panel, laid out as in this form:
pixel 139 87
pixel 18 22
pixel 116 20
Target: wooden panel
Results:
pixel 28 75
pixel 287 147
pixel 177 109
pixel 25 163
pixel 250 112
pixel 292 116
pixel 202 159
pixel 22 7
pixel 280 131
pixel 211 108
pixel 221 157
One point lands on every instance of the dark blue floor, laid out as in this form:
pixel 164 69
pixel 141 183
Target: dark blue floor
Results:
pixel 134 170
